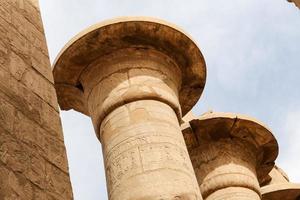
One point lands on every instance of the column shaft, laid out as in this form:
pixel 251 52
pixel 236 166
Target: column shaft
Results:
pixel 133 100
pixel 145 154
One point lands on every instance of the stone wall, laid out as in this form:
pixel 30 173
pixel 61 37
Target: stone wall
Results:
pixel 33 163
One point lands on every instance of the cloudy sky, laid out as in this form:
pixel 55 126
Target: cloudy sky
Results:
pixel 252 51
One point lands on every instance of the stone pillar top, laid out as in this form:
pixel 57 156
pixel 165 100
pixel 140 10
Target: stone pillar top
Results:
pixel 130 32
pixel 279 187
pixel 277 175
pixel 296 2
pixel 213 126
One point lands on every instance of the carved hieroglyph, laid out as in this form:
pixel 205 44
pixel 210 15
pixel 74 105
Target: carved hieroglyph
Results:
pixel 279 187
pixel 135 77
pixel 231 155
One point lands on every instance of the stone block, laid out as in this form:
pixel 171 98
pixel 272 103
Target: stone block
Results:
pixel 32 13
pixel 30 104
pixel 5 9
pixel 17 66
pixel 18 42
pixel 29 31
pixel 55 152
pixel 7 112
pixel 40 86
pixel 12 153
pixel 41 63
pixel 40 141
pixel 57 182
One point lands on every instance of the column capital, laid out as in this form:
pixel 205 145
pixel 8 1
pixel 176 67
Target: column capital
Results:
pixel 232 148
pixel 279 187
pixel 296 2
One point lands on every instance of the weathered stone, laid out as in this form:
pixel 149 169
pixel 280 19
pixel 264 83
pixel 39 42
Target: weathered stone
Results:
pixel 30 104
pixel 134 77
pixel 57 182
pixel 43 143
pixel 231 154
pixel 279 187
pixel 18 42
pixel 31 137
pixel 17 66
pixel 140 141
pixel 32 13
pixel 14 185
pixel 296 2
pixel 5 10
pixel 27 41
pixel 55 152
pixel 7 112
pixel 40 86
pixel 133 33
pixel 29 31
pixel 130 76
pixel 40 62
pixel 36 171
pixel 3 54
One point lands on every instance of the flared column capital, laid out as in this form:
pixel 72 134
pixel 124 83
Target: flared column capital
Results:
pixel 145 33
pixel 279 187
pixel 229 150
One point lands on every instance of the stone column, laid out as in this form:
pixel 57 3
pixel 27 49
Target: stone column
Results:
pixel 279 187
pixel 231 154
pixel 130 76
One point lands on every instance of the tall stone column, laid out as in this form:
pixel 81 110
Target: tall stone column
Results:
pixel 231 154
pixel 135 77
pixel 279 187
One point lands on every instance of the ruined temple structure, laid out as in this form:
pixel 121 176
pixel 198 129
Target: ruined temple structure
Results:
pixel 136 78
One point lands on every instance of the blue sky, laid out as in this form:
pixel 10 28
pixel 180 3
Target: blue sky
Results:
pixel 252 51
